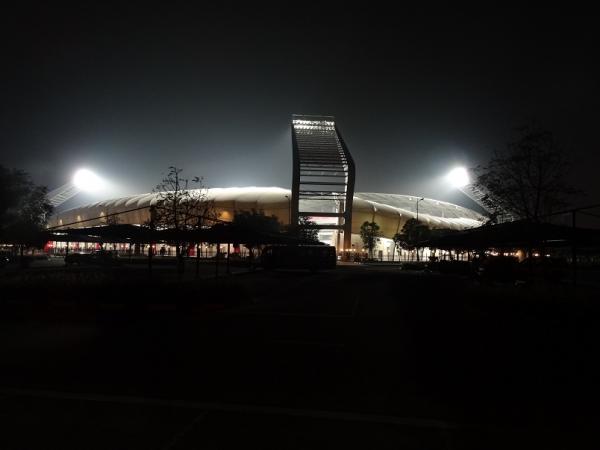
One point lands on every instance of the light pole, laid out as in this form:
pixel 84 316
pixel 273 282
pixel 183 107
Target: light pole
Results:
pixel 289 209
pixel 418 200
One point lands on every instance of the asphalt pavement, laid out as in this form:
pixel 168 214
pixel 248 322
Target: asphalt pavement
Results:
pixel 358 357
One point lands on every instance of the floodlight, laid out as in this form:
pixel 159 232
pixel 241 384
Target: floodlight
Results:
pixel 458 177
pixel 87 181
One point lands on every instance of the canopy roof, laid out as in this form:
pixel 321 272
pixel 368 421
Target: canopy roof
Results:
pixel 520 234
pixel 389 210
pixel 219 233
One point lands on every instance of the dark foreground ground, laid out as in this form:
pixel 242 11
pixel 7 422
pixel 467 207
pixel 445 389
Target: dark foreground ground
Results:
pixel 359 357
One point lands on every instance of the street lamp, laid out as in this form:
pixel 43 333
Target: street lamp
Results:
pixel 289 209
pixel 418 200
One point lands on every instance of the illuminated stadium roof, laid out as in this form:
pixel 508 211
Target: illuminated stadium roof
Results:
pixel 429 207
pixel 390 211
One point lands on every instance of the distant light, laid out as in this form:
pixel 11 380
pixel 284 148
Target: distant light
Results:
pixel 87 181
pixel 459 177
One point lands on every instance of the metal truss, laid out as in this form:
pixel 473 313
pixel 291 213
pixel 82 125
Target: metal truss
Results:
pixel 323 174
pixel 477 195
pixel 61 194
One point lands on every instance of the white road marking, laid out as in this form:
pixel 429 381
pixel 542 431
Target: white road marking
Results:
pixel 234 408
pixel 173 442
pixel 291 314
pixel 302 342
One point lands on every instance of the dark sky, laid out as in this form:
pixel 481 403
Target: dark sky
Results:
pixel 130 90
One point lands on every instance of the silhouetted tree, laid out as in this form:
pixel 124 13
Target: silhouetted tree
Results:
pixel 305 231
pixel 24 207
pixel 255 223
pixel 527 180
pixel 180 208
pixel 369 232
pixel 398 243
pixel 412 234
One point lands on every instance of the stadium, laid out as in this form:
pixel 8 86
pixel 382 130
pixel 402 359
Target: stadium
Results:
pixel 389 211
pixel 322 190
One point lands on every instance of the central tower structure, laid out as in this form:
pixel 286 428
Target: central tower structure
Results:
pixel 323 175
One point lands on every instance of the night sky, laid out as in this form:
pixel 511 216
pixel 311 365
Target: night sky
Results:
pixel 128 91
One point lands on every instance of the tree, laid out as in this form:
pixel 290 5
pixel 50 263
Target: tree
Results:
pixel 398 240
pixel 369 232
pixel 305 231
pixel 255 223
pixel 24 207
pixel 180 208
pixel 412 234
pixel 527 180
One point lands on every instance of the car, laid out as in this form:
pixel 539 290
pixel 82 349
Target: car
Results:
pixel 96 258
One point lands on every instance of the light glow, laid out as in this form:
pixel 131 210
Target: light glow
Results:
pixel 458 177
pixel 321 125
pixel 87 181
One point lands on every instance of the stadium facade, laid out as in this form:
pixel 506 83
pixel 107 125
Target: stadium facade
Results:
pixel 322 190
pixel 389 211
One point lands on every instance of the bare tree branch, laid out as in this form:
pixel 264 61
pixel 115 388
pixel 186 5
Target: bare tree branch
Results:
pixel 528 179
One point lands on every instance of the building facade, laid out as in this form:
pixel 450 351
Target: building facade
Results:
pixel 389 211
pixel 323 175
